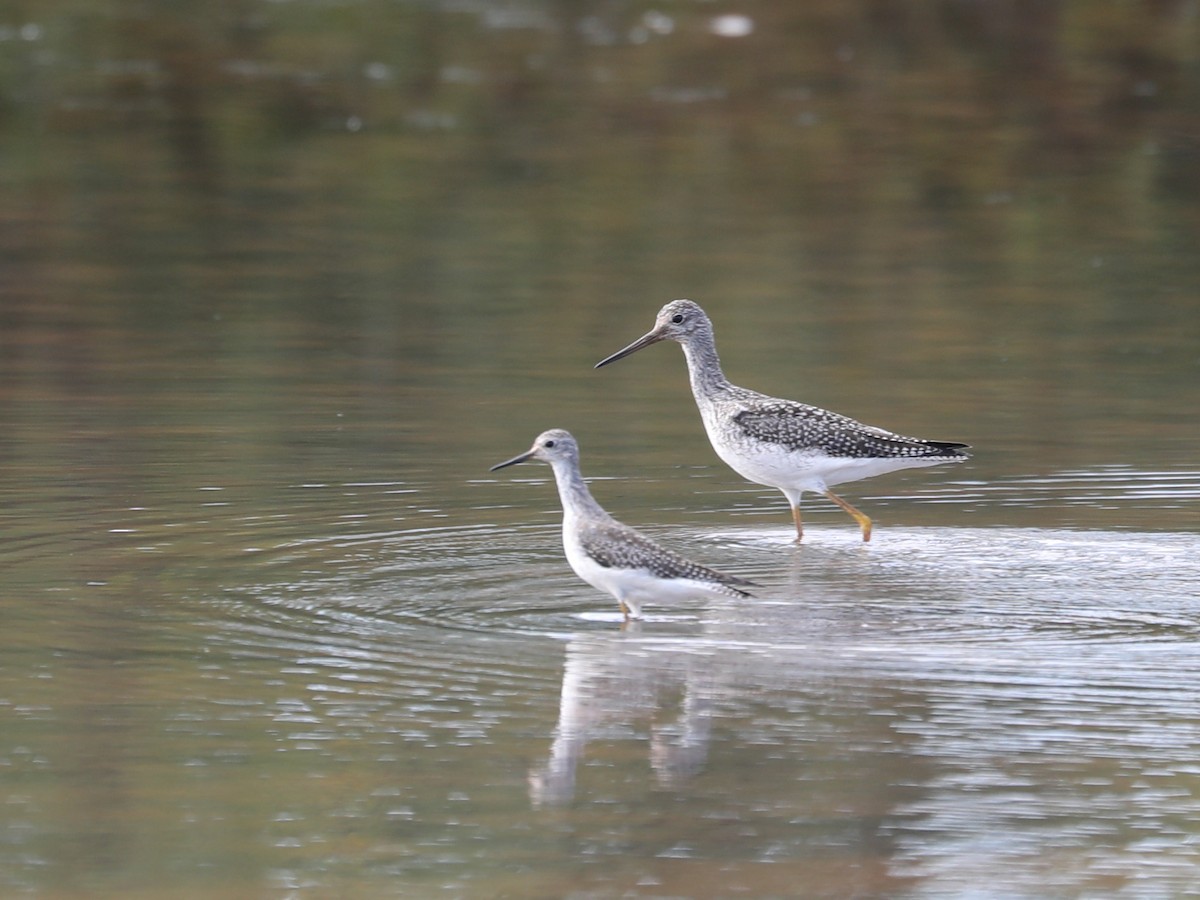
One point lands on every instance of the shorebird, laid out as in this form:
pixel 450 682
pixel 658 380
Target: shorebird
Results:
pixel 783 444
pixel 611 556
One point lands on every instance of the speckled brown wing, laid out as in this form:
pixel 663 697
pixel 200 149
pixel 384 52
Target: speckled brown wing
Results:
pixel 801 428
pixel 614 545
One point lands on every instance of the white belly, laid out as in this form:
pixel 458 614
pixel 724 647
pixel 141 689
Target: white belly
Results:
pixel 633 587
pixel 794 471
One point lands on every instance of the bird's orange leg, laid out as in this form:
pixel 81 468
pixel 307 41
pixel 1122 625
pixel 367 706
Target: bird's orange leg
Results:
pixel 861 518
pixel 799 524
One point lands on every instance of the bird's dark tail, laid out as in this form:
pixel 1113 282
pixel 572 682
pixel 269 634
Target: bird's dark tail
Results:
pixel 948 449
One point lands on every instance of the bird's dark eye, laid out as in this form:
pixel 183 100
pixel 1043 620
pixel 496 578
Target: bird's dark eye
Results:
pixel 548 444
pixel 677 318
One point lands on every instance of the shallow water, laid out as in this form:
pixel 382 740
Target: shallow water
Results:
pixel 331 697
pixel 281 281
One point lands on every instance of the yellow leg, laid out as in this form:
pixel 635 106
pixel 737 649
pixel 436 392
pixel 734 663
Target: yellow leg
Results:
pixel 861 518
pixel 624 609
pixel 799 524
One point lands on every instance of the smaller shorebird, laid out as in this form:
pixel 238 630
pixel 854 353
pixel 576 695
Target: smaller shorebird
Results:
pixel 613 557
pixel 781 443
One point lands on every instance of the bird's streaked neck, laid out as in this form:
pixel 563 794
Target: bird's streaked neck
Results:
pixel 704 367
pixel 573 491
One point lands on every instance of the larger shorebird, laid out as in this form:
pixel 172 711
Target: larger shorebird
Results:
pixel 781 443
pixel 613 557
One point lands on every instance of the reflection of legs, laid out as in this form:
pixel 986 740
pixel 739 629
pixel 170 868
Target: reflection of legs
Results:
pixel 861 518
pixel 631 609
pixel 799 524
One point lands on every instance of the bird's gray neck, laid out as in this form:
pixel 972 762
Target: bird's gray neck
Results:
pixel 704 367
pixel 573 491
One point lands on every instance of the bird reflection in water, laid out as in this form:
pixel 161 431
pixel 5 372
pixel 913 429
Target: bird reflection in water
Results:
pixel 612 681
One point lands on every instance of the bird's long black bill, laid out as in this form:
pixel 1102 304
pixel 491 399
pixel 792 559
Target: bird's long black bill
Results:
pixel 512 462
pixel 644 341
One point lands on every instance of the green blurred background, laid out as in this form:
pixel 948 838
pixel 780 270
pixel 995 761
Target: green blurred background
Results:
pixel 294 233
pixel 280 279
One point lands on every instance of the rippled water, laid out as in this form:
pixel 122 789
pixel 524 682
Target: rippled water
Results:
pixel 398 702
pixel 278 283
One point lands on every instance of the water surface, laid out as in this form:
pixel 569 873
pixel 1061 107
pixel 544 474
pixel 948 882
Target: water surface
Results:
pixel 280 282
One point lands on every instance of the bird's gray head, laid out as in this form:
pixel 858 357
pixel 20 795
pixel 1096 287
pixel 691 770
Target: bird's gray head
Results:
pixel 678 321
pixel 549 446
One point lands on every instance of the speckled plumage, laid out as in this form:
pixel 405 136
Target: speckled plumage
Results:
pixel 614 545
pixel 800 427
pixel 782 443
pixel 612 556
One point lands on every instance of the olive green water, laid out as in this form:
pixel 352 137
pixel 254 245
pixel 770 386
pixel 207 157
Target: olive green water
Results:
pixel 278 283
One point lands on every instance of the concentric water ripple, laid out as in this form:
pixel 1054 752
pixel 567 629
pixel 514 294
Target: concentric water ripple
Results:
pixel 1109 496
pixel 948 699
